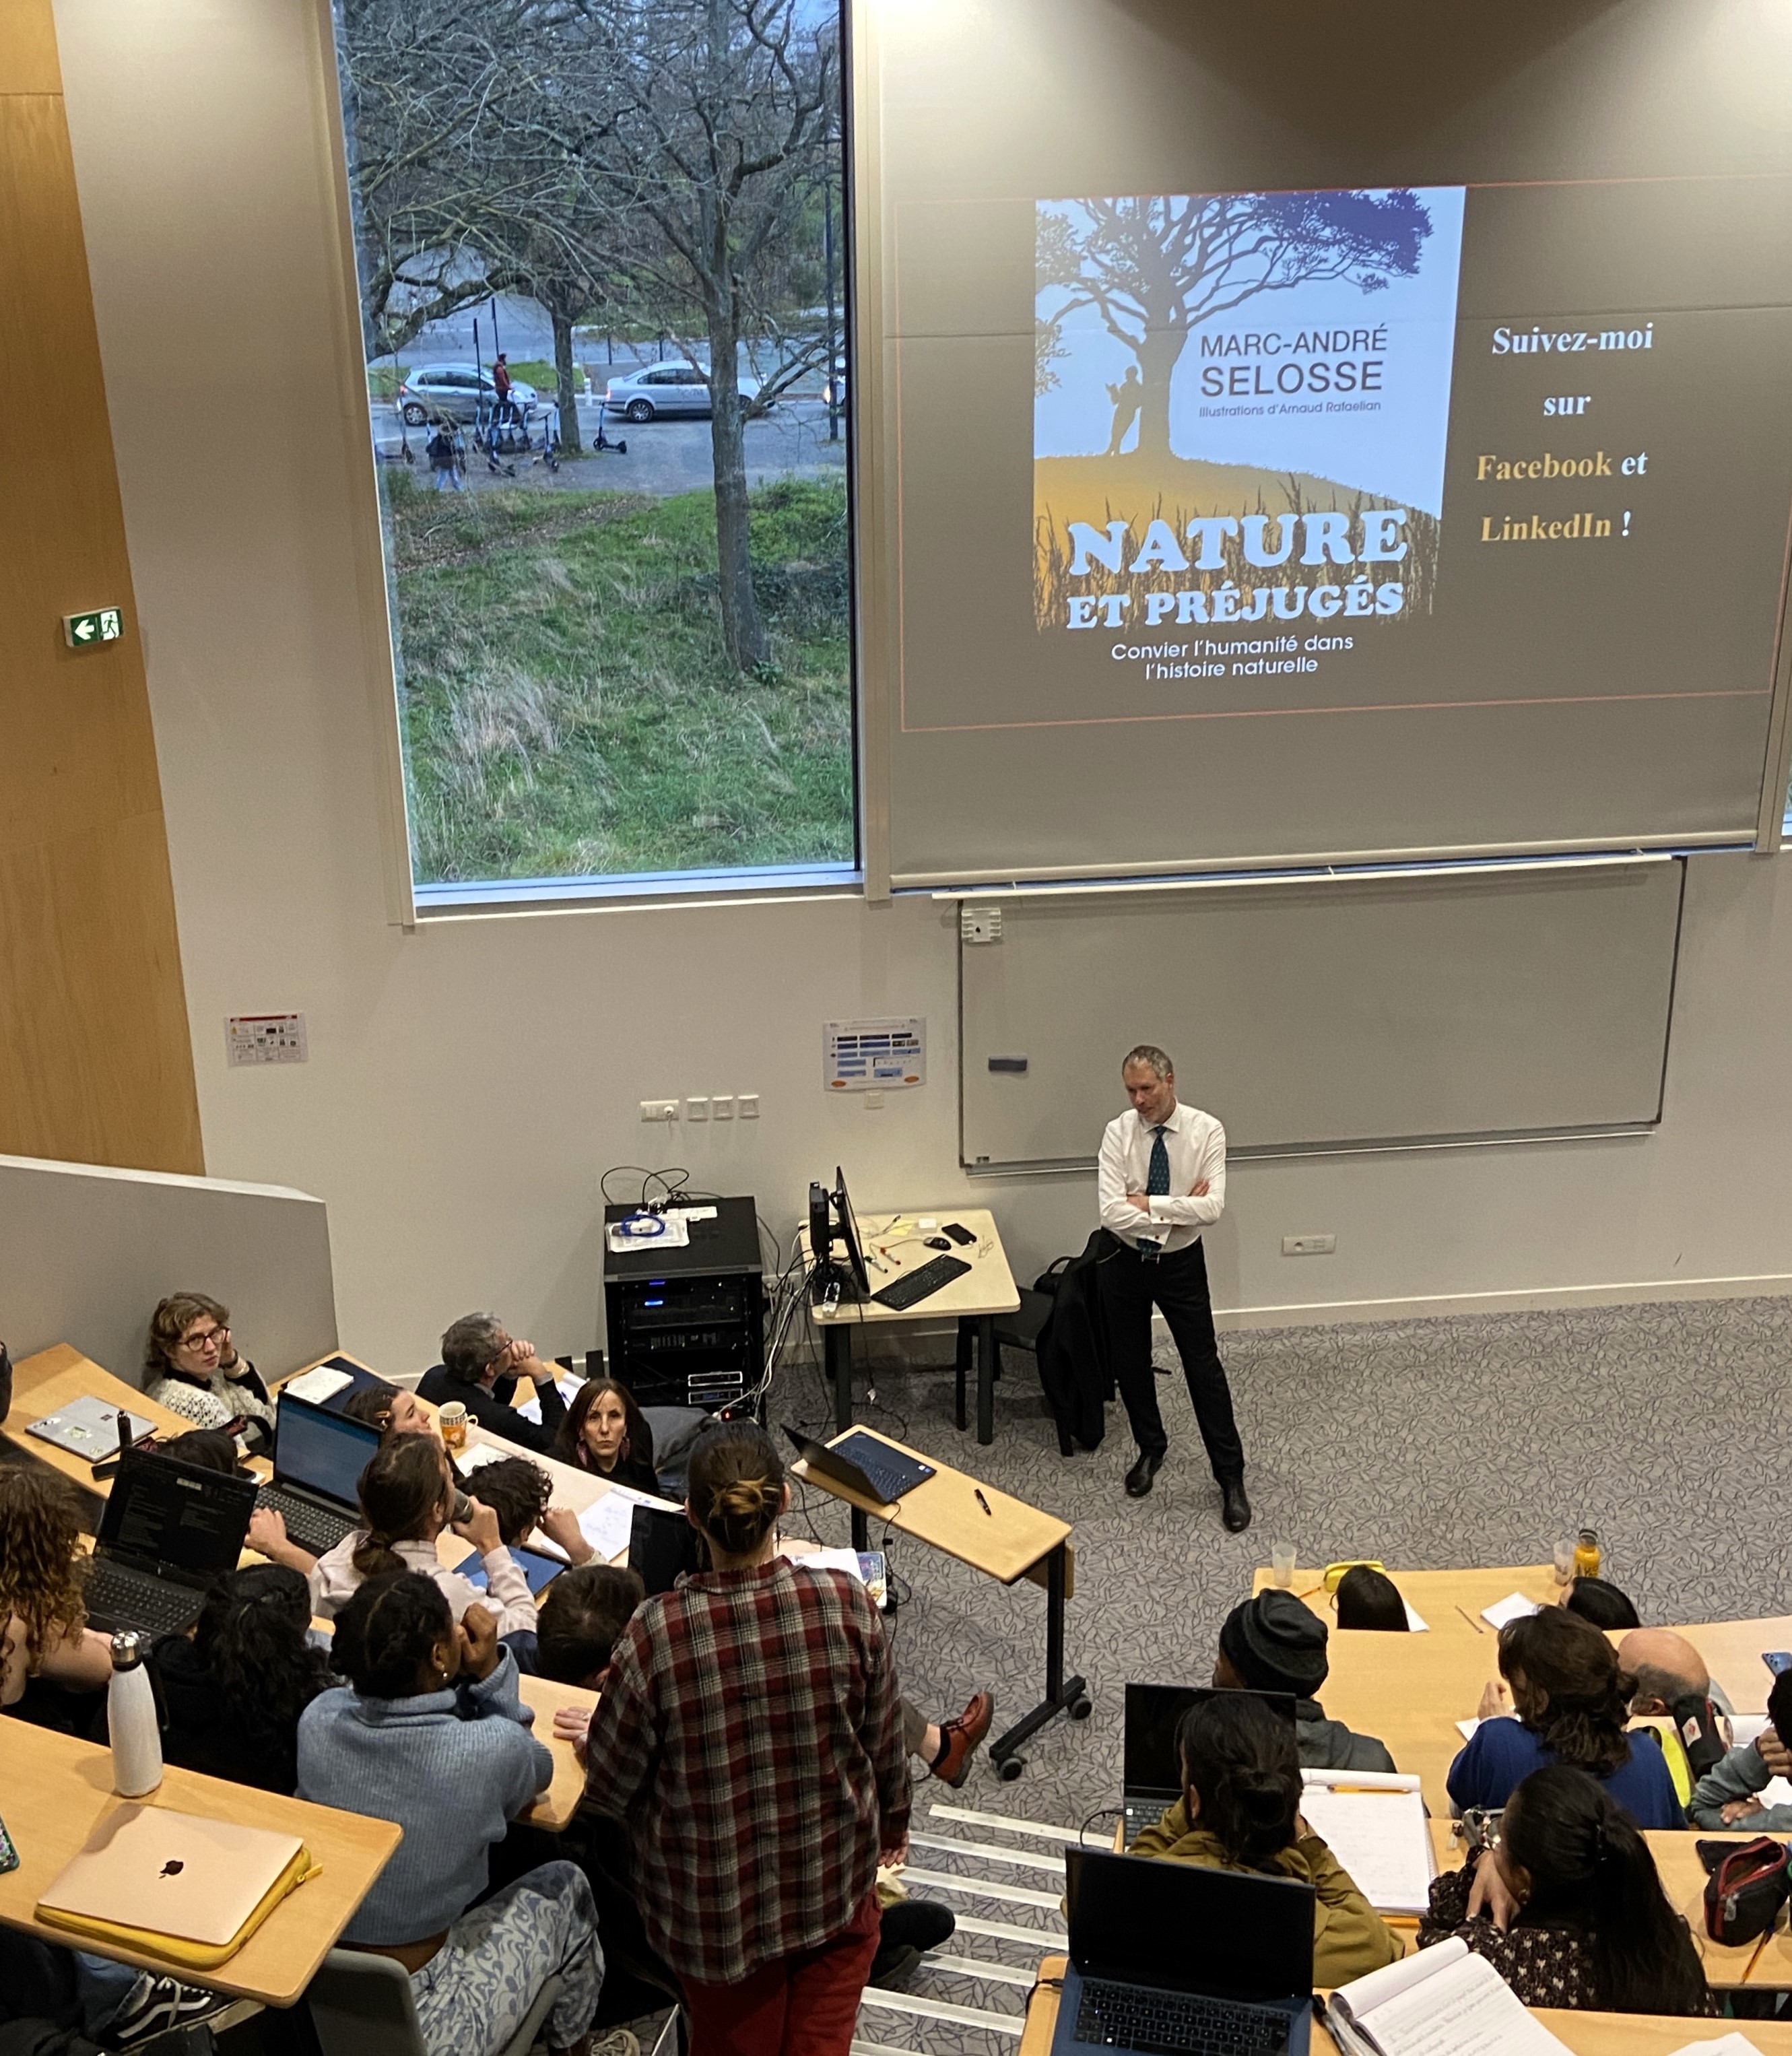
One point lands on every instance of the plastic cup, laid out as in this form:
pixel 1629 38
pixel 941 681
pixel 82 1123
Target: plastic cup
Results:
pixel 1281 1564
pixel 1565 1561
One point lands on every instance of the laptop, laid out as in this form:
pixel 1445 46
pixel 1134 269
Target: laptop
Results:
pixel 662 1546
pixel 1152 1773
pixel 319 1458
pixel 193 1879
pixel 168 1529
pixel 89 1427
pixel 863 1464
pixel 1178 1959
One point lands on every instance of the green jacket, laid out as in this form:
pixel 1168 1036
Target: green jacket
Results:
pixel 1349 1938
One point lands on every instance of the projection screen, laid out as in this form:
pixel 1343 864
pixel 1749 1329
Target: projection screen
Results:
pixel 1307 436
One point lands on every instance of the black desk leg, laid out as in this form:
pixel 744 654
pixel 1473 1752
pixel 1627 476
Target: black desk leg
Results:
pixel 861 1528
pixel 985 1379
pixel 961 1363
pixel 1064 1695
pixel 837 1355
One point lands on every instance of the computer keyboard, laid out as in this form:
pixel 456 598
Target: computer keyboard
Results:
pixel 921 1282
pixel 1166 2023
pixel 311 1527
pixel 117 1598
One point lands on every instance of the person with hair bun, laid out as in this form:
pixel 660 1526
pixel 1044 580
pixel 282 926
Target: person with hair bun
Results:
pixel 433 1734
pixel 1572 1702
pixel 1240 1810
pixel 408 1496
pixel 748 1736
pixel 1582 1919
pixel 233 1691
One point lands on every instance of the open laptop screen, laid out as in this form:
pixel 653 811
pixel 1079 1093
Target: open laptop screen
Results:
pixel 1183 1927
pixel 1154 1715
pixel 167 1513
pixel 325 1452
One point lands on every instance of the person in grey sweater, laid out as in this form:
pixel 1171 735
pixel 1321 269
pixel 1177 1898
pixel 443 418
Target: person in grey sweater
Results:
pixel 1728 1795
pixel 434 1735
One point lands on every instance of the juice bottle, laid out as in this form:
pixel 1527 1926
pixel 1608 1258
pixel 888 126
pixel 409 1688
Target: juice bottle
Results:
pixel 1587 1555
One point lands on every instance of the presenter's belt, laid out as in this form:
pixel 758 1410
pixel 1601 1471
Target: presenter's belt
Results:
pixel 1148 1252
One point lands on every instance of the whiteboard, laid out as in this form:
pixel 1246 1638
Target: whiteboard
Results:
pixel 1337 1012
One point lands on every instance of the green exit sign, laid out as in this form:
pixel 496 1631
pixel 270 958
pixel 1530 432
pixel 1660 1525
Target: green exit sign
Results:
pixel 103 624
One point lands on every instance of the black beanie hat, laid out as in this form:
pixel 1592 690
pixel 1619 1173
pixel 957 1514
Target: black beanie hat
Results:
pixel 1276 1644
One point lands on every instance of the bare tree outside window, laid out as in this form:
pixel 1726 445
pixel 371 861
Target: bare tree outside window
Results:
pixel 597 244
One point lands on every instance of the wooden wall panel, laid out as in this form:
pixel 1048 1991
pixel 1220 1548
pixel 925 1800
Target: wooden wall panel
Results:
pixel 96 1065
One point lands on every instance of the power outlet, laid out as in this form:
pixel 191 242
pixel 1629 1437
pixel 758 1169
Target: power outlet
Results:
pixel 722 1106
pixel 746 1106
pixel 1309 1245
pixel 659 1110
pixel 697 1107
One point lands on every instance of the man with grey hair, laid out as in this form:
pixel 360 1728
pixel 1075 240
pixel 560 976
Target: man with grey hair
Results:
pixel 1161 1179
pixel 481 1366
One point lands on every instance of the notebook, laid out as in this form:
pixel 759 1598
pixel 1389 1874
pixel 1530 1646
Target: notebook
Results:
pixel 174 1884
pixel 1374 1823
pixel 1441 2001
pixel 1172 1956
pixel 1514 1606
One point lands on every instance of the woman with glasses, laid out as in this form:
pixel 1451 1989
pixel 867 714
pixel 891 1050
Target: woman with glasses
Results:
pixel 192 1368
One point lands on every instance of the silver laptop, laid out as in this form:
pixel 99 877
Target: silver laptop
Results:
pixel 1177 1960
pixel 89 1427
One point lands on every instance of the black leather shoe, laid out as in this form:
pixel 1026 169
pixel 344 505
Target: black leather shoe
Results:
pixel 1235 1508
pixel 1139 1478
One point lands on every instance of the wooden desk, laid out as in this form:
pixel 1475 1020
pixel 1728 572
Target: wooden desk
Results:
pixel 1586 2034
pixel 554 1808
pixel 986 1289
pixel 1732 1650
pixel 53 1376
pixel 55 1791
pixel 1008 1541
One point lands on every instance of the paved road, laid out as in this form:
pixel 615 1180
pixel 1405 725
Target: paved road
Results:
pixel 663 457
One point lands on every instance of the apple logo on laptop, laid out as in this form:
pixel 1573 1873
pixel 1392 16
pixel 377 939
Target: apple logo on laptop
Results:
pixel 173 1867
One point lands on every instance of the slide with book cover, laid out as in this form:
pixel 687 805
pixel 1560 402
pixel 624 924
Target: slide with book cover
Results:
pixel 1351 518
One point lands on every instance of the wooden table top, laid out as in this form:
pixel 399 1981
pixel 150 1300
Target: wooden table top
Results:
pixel 894 1243
pixel 1586 2034
pixel 1006 1542
pixel 55 1790
pixel 53 1376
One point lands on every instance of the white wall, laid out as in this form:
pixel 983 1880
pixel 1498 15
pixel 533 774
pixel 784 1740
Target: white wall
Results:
pixel 85 1253
pixel 468 1083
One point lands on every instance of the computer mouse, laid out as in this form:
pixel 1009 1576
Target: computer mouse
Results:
pixel 937 1242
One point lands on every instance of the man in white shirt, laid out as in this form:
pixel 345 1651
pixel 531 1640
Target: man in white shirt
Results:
pixel 1161 1179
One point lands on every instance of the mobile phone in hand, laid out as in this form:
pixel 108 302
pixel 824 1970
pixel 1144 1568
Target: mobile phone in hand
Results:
pixel 1777 1660
pixel 9 1854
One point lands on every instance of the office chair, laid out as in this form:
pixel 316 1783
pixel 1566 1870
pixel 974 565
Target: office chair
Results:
pixel 361 2006
pixel 1019 1330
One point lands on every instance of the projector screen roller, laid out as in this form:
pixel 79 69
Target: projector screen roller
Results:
pixel 1276 486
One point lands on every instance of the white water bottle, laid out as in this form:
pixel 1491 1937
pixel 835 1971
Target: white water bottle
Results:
pixel 136 1736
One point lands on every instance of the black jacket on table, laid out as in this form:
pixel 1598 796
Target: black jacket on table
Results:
pixel 492 1408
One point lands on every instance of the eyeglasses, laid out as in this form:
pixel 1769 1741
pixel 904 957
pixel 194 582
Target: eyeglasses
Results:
pixel 205 1339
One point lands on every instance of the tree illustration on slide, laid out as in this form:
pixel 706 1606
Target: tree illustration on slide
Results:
pixel 1155 268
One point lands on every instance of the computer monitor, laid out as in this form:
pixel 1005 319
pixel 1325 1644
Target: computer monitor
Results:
pixel 831 1220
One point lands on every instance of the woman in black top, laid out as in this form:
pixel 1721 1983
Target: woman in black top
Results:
pixel 232 1695
pixel 607 1433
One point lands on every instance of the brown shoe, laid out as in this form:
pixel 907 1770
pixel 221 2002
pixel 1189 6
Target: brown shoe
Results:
pixel 961 1737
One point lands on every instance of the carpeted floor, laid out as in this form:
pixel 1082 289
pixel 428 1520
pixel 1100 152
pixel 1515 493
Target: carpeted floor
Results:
pixel 1470 1440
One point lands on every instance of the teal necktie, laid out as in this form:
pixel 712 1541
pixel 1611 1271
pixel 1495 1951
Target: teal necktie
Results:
pixel 1157 1185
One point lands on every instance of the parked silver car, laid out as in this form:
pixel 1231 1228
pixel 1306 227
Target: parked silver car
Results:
pixel 456 390
pixel 667 389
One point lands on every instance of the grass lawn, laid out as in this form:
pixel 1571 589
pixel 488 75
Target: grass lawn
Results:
pixel 567 711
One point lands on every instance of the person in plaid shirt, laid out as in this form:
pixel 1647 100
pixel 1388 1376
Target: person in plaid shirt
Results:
pixel 749 1735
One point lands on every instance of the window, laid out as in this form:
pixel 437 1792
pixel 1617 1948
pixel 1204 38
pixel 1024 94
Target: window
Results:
pixel 622 629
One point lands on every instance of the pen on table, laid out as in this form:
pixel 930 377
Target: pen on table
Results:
pixel 982 1502
pixel 1471 1620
